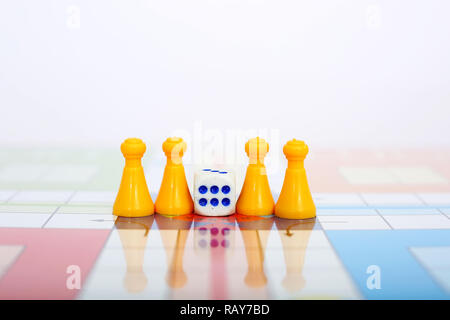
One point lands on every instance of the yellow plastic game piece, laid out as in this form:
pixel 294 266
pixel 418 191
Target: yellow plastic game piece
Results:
pixel 133 198
pixel 295 201
pixel 174 198
pixel 255 198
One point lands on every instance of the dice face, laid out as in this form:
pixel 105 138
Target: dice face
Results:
pixel 214 192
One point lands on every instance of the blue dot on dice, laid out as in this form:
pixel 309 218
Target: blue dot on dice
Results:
pixel 203 202
pixel 214 202
pixel 203 189
pixel 226 189
pixel 214 189
pixel 226 202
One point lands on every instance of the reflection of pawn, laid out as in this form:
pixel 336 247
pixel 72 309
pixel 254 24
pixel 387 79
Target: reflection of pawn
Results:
pixel 174 197
pixel 295 201
pixel 294 236
pixel 174 233
pixel 255 234
pixel 133 233
pixel 255 198
pixel 133 198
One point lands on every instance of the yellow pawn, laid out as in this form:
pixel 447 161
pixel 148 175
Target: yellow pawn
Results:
pixel 295 201
pixel 174 198
pixel 255 198
pixel 133 198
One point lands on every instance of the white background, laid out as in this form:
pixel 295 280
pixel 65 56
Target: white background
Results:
pixel 334 73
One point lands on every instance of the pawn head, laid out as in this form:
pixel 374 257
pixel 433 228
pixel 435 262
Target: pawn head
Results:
pixel 256 149
pixel 133 148
pixel 295 150
pixel 135 282
pixel 294 282
pixel 176 278
pixel 255 279
pixel 174 148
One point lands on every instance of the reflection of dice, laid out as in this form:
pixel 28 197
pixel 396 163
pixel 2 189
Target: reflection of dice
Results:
pixel 214 235
pixel 215 192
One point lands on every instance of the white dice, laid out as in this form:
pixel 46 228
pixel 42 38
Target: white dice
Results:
pixel 214 192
